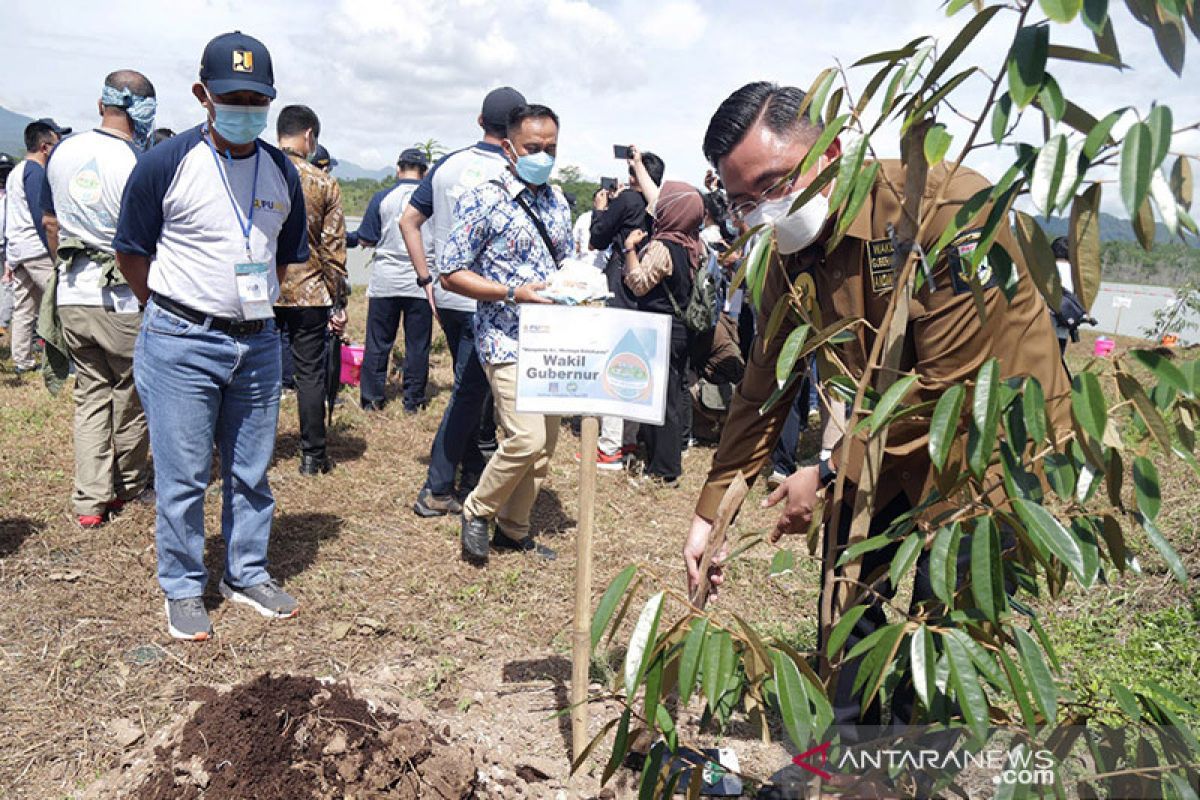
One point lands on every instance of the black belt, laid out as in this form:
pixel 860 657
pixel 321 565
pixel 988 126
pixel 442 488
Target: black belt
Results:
pixel 234 327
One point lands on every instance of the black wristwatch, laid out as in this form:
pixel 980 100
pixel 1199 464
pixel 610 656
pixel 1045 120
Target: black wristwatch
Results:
pixel 423 282
pixel 510 296
pixel 825 472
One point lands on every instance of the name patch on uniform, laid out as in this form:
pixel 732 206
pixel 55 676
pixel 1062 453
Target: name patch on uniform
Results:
pixel 959 253
pixel 879 264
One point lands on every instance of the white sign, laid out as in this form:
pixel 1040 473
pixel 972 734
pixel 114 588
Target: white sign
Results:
pixel 1121 301
pixel 593 361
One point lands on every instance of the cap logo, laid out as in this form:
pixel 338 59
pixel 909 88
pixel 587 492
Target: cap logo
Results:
pixel 243 61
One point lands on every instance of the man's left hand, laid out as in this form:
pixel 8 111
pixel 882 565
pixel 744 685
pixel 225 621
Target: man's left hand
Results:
pixel 337 321
pixel 800 490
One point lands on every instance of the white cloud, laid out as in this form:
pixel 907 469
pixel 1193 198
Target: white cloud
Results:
pixel 386 73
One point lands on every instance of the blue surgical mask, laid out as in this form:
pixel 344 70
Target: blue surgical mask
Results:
pixel 239 124
pixel 535 168
pixel 140 109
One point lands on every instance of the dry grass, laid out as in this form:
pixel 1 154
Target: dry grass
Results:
pixel 384 593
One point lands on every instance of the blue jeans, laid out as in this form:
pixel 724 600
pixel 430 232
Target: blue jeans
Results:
pixel 198 386
pixel 383 320
pixel 783 456
pixel 457 439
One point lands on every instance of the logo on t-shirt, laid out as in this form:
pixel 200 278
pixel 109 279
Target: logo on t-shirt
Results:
pixel 85 185
pixel 276 206
pixel 243 61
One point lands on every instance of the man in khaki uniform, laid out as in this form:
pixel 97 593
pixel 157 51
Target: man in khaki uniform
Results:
pixel 754 140
pixel 312 296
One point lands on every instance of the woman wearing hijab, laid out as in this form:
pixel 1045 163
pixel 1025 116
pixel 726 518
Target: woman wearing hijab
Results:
pixel 659 276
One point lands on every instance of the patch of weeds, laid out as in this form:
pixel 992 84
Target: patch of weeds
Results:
pixel 445 668
pixel 801 636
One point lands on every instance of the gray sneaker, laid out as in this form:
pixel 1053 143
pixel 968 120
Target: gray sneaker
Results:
pixel 265 598
pixel 187 619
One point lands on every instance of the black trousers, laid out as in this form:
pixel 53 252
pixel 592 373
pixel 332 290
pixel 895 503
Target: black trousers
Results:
pixel 384 316
pixel 306 329
pixel 664 443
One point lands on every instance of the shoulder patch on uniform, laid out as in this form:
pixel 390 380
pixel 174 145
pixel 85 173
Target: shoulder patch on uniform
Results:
pixel 959 254
pixel 879 264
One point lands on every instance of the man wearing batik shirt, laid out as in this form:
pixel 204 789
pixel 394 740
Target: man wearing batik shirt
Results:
pixel 508 237
pixel 312 295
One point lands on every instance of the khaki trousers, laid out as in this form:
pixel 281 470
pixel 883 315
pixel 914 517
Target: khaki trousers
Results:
pixel 510 482
pixel 29 282
pixel 112 442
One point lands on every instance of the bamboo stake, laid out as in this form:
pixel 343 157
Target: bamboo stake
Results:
pixel 582 632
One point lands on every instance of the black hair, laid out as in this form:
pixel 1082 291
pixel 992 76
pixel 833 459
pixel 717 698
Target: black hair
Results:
pixel 134 81
pixel 37 134
pixel 1061 248
pixel 777 106
pixel 715 205
pixel 162 134
pixel 422 168
pixel 655 167
pixel 529 111
pixel 294 120
pixel 498 131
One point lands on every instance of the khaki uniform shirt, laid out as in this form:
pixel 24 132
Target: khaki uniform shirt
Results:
pixel 322 279
pixel 946 341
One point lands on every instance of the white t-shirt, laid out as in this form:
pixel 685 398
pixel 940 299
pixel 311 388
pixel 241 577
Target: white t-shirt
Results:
pixel 85 179
pixel 437 195
pixel 178 211
pixel 582 233
pixel 21 231
pixel 392 273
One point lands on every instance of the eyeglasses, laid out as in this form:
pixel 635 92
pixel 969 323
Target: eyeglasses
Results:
pixel 777 190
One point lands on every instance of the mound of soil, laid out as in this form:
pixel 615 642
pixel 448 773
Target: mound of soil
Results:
pixel 295 737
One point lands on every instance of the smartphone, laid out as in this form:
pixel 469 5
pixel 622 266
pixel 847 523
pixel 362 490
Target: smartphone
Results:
pixel 621 151
pixel 609 184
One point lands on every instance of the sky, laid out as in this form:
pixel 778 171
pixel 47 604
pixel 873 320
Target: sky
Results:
pixel 384 74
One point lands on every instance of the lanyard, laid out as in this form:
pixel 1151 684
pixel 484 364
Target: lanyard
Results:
pixel 248 225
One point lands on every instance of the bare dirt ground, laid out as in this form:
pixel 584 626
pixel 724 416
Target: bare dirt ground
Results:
pixel 477 661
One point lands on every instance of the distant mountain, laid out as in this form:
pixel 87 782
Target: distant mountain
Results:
pixel 349 171
pixel 12 132
pixel 1112 229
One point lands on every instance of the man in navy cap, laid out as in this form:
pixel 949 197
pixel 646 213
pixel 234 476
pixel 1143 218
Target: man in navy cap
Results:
pixel 393 293
pixel 457 441
pixel 209 222
pixel 322 159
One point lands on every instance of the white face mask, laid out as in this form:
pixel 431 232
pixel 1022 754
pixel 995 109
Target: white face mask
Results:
pixel 796 231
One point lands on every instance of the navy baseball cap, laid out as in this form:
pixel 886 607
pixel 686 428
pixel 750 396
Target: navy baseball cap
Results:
pixel 414 156
pixel 235 62
pixel 498 104
pixel 322 158
pixel 54 126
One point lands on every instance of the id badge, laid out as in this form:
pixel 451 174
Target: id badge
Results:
pixel 120 299
pixel 254 290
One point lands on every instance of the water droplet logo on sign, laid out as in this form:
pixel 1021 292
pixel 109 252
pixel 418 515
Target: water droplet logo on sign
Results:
pixel 627 371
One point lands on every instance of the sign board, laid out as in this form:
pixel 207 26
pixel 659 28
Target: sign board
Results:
pixel 593 361
pixel 1121 301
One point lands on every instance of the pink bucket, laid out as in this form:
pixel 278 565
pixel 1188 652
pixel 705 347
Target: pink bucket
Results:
pixel 352 358
pixel 1104 347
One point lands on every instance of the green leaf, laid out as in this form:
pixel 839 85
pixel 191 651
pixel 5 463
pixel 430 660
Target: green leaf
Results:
pixel 651 771
pixel 922 657
pixel 710 668
pixel 1132 390
pixel 967 688
pixel 863 185
pixel 891 56
pixel 1163 547
pixel 888 402
pixel 1084 247
pixel 841 631
pixel 1027 63
pixel 1181 182
pixel 920 112
pixel 1050 533
pixel 811 104
pixel 822 144
pixel 1098 136
pixel 1089 405
pixel 1164 198
pixel 654 682
pixel 793 700
pixel 1048 174
pixel 985 413
pixel 1061 10
pixel 1137 154
pixel 822 180
pixel 987 571
pixel 1039 259
pixel 848 166
pixel 1159 122
pixel 1051 100
pixel 757 265
pixel 1034 407
pixel 783 562
pixel 956 47
pixel 937 142
pixel 943 563
pixel 1095 14
pixel 641 643
pixel 689 660
pixel 1081 56
pixel 906 556
pixel 1000 116
pixel 943 427
pixel 1163 369
pixel 1126 701
pixel 608 602
pixel 620 747
pixel 1045 693
pixel 790 353
pixel 1020 691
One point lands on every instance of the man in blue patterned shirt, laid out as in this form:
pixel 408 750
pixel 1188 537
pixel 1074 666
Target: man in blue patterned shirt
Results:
pixel 508 237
